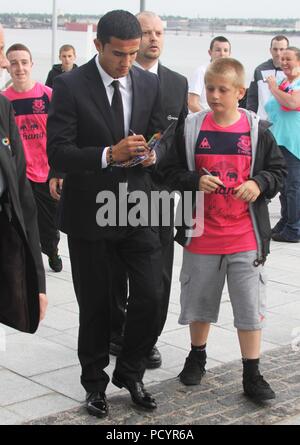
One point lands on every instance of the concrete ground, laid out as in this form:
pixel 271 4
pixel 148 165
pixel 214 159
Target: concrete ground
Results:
pixel 40 374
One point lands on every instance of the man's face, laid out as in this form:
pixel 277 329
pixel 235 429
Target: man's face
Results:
pixel 20 67
pixel 277 48
pixel 117 56
pixel 219 49
pixel 290 64
pixel 152 38
pixel 3 59
pixel 67 59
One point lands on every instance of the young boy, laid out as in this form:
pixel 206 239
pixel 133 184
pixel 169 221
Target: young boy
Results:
pixel 245 169
pixel 31 101
pixel 67 56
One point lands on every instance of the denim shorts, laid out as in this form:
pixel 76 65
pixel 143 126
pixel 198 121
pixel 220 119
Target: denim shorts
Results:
pixel 202 281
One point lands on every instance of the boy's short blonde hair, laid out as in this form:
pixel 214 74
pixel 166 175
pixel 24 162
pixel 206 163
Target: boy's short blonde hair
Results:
pixel 228 67
pixel 67 48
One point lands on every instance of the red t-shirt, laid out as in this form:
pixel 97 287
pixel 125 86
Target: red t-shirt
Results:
pixel 226 153
pixel 31 113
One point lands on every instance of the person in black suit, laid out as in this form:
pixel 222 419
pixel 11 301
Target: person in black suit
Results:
pixel 23 300
pixel 89 120
pixel 174 89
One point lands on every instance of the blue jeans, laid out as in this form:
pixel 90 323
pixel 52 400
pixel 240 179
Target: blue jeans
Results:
pixel 289 224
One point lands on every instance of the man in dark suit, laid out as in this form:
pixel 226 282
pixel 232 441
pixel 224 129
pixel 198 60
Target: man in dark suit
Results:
pixel 90 117
pixel 174 88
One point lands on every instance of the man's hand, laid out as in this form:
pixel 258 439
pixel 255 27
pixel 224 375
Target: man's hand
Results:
pixel 55 187
pixel 248 191
pixel 272 83
pixel 151 160
pixel 209 184
pixel 128 148
pixel 43 305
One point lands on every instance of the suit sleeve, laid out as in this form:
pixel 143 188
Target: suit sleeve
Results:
pixel 185 110
pixel 252 94
pixel 63 152
pixel 27 202
pixel 156 123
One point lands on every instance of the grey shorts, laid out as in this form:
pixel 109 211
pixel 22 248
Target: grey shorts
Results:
pixel 202 281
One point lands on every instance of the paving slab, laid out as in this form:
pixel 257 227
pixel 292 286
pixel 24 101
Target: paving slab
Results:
pixel 219 400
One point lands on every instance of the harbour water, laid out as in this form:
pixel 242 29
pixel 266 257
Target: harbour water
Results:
pixel 182 52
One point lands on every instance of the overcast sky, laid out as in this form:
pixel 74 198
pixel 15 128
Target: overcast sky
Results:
pixel 190 8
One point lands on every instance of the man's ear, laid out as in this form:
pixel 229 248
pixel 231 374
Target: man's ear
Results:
pixel 99 46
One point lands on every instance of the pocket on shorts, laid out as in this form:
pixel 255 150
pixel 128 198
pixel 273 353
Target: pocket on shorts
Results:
pixel 184 287
pixel 184 278
pixel 262 295
pixel 263 277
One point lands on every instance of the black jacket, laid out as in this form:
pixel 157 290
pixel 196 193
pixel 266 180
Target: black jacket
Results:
pixel 21 263
pixel 268 172
pixel 54 72
pixel 174 89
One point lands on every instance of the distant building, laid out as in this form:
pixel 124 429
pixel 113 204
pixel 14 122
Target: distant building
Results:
pixel 79 26
pixel 258 29
pixel 239 28
pixel 177 24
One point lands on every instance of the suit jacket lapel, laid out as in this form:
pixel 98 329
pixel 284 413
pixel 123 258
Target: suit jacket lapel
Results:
pixel 162 81
pixel 98 94
pixel 135 99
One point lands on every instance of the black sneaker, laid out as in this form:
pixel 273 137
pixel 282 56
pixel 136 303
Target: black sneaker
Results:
pixel 257 388
pixel 194 369
pixel 55 262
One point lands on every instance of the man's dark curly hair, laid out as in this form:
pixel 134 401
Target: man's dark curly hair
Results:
pixel 119 24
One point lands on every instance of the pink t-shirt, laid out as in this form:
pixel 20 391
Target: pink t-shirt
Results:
pixel 31 112
pixel 226 153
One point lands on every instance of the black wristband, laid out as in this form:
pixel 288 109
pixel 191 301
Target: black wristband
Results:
pixel 110 153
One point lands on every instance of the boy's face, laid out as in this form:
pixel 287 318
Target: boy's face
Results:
pixel 222 94
pixel 67 59
pixel 219 49
pixel 20 67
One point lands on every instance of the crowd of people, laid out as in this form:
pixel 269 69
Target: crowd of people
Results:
pixel 87 131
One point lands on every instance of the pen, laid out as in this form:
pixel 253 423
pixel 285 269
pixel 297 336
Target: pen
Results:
pixel 209 174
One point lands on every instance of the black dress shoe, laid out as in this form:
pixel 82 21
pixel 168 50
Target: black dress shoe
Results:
pixel 137 391
pixel 153 360
pixel 282 239
pixel 96 404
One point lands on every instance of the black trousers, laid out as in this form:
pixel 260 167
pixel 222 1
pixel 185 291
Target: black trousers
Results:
pixel 47 210
pixel 120 288
pixel 139 249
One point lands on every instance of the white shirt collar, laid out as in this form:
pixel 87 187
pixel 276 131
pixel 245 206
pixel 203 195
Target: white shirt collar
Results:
pixel 153 69
pixel 107 79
